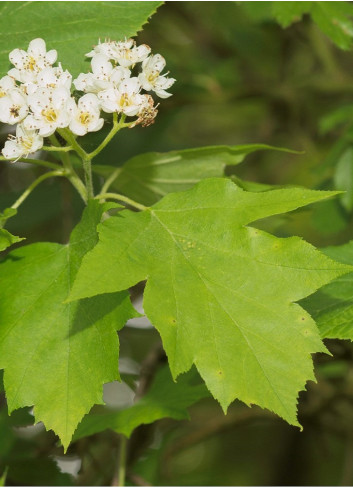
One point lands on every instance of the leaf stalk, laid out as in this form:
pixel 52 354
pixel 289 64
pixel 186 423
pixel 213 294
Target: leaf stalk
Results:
pixel 122 198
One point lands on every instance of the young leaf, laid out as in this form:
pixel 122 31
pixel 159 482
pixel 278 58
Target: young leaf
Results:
pixel 165 399
pixel 332 306
pixel 150 176
pixel 57 356
pixel 6 214
pixel 7 239
pixel 221 294
pixel 72 28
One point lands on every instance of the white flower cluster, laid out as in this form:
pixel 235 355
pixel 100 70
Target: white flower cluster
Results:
pixel 37 95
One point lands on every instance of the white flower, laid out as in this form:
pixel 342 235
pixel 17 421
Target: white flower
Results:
pixel 49 78
pixel 130 56
pixel 110 48
pixel 54 78
pixel 86 115
pixel 151 79
pixel 24 143
pixel 29 63
pixel 126 53
pixel 13 107
pixel 126 98
pixel 6 84
pixel 50 110
pixel 103 76
pixel 99 79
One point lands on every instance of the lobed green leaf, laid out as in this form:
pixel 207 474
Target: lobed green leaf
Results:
pixel 220 293
pixel 57 356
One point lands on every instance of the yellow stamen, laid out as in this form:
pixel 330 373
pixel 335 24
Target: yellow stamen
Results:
pixel 50 115
pixel 85 118
pixel 26 143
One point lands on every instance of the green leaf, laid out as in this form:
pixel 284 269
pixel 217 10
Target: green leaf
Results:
pixel 256 186
pixel 329 217
pixel 57 356
pixel 343 178
pixel 334 19
pixel 221 294
pixel 6 214
pixel 165 399
pixel 288 12
pixel 7 239
pixel 72 28
pixel 150 176
pixel 3 478
pixel 332 306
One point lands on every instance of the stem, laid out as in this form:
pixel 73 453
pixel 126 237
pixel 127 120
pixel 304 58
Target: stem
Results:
pixel 71 174
pixel 57 148
pixel 87 167
pixel 86 160
pixel 47 164
pixel 57 173
pixel 116 127
pixel 75 179
pixel 122 198
pixel 69 138
pixel 119 479
pixel 110 180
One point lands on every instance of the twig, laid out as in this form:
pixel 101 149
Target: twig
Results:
pixel 148 369
pixel 120 473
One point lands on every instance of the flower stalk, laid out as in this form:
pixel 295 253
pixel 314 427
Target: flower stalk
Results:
pixel 87 168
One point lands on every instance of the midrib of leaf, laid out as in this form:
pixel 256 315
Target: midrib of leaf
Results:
pixel 166 161
pixel 244 257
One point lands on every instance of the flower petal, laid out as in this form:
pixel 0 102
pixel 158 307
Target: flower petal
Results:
pixel 37 48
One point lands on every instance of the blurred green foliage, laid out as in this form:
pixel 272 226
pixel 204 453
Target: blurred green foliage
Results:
pixel 241 79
